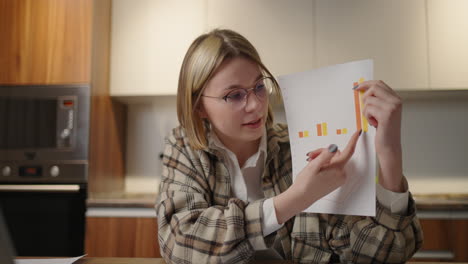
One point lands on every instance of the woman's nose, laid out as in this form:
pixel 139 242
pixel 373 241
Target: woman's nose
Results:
pixel 252 102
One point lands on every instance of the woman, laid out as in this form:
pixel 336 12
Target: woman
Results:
pixel 227 194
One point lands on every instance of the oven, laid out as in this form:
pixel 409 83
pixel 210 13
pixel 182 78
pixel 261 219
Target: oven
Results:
pixel 45 220
pixel 44 135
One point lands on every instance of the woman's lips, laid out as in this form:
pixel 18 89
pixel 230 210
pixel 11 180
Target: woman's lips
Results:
pixel 254 124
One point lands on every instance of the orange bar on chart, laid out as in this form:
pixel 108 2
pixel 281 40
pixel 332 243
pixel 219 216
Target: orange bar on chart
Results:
pixel 324 129
pixel 300 134
pixel 364 119
pixel 338 131
pixel 357 107
pixel 319 130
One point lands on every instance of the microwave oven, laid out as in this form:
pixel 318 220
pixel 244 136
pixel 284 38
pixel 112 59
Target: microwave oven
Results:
pixel 44 133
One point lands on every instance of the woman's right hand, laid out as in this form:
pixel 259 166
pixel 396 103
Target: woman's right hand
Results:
pixel 323 174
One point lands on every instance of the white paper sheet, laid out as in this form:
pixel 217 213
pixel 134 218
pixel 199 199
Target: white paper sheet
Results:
pixel 48 260
pixel 322 101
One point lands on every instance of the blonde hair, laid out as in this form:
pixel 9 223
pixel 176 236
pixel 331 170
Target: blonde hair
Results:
pixel 203 58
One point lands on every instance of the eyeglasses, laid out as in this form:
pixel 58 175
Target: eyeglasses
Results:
pixel 238 97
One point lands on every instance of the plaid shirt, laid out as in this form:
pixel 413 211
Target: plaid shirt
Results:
pixel 199 220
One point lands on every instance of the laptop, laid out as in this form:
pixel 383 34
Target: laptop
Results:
pixel 6 246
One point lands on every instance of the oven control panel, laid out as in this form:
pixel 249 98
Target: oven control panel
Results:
pixel 51 173
pixel 30 171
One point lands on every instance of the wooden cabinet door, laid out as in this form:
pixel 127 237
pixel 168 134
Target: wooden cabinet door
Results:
pixel 393 33
pixel 122 237
pixel 45 41
pixel 281 31
pixel 137 237
pixel 446 238
pixel 149 42
pixel 448 42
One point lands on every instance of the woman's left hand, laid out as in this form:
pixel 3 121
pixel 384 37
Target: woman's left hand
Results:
pixel 383 108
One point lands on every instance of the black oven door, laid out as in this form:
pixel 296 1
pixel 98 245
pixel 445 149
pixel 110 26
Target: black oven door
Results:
pixel 45 220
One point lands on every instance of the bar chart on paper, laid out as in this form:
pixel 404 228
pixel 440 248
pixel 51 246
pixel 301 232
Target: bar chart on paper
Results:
pixel 361 121
pixel 323 109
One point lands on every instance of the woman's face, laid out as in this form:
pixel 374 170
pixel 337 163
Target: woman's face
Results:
pixel 235 123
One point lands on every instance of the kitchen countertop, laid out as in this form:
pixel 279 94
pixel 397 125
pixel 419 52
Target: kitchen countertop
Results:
pixel 440 202
pixel 122 199
pixel 454 202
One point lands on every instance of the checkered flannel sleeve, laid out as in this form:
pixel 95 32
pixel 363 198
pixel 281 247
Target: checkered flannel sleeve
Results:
pixel 385 238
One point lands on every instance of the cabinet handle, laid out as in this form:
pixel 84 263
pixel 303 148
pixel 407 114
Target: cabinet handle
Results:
pixel 434 254
pixel 39 188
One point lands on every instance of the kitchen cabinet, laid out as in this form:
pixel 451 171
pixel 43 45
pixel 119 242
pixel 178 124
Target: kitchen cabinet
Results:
pixel 448 42
pixel 132 232
pixel 393 33
pixel 281 31
pixel 137 237
pixel 149 41
pixel 446 238
pixel 122 237
pixel 416 45
pixel 45 42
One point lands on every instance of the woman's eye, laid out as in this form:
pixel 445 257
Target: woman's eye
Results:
pixel 259 87
pixel 236 96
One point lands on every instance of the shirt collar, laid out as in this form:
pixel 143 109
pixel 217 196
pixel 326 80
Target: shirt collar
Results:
pixel 215 143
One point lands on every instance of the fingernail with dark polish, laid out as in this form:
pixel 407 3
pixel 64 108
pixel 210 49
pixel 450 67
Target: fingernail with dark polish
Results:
pixel 308 153
pixel 332 148
pixel 355 87
pixel 360 132
pixel 308 159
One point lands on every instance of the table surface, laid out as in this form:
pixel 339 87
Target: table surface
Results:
pixel 161 261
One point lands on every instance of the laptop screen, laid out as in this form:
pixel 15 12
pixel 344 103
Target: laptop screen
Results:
pixel 6 246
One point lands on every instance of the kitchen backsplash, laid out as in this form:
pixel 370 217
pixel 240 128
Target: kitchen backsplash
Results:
pixel 435 142
pixel 434 136
pixel 147 125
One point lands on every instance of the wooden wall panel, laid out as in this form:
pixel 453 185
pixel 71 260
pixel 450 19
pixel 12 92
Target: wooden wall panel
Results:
pixel 121 237
pixel 45 41
pixel 108 118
